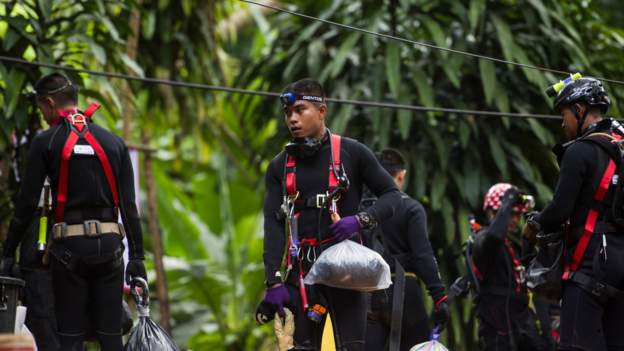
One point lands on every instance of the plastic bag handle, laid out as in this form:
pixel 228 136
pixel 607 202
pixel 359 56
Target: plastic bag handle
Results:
pixel 435 333
pixel 141 298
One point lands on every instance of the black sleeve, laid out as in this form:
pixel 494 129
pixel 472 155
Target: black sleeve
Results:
pixel 423 261
pixel 274 231
pixel 29 196
pixel 574 169
pixel 380 183
pixel 491 238
pixel 129 212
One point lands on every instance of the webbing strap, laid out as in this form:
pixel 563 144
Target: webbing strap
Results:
pixel 516 264
pixel 76 132
pixel 61 195
pixel 335 167
pixel 590 222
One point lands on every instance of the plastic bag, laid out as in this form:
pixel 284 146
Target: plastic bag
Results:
pixel 433 345
pixel 349 265
pixel 147 335
pixel 545 270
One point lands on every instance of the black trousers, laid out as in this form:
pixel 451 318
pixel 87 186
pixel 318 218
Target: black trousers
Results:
pixel 88 287
pixel 348 313
pixel 586 323
pixel 415 322
pixel 504 324
pixel 39 300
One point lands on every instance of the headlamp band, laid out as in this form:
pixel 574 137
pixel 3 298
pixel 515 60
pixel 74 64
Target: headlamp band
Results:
pixel 289 98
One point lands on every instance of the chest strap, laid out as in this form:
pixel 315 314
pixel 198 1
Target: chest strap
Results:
pixel 80 129
pixel 334 168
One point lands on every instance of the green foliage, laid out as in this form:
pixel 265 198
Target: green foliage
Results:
pixel 214 147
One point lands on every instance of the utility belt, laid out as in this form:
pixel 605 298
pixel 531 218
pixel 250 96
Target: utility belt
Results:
pixel 88 228
pixel 601 291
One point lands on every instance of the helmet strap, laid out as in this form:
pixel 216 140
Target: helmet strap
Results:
pixel 580 120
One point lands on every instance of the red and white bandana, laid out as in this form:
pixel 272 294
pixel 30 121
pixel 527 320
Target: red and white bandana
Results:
pixel 493 198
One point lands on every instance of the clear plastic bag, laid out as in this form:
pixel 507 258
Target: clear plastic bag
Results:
pixel 433 345
pixel 349 265
pixel 147 335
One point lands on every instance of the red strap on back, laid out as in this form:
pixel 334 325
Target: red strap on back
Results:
pixel 68 148
pixel 91 109
pixel 61 194
pixel 590 222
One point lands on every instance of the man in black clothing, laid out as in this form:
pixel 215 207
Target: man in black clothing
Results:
pixel 404 238
pixel 505 321
pixel 318 177
pixel 592 308
pixel 92 184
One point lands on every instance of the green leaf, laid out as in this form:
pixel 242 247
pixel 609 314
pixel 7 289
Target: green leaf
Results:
pixel 477 7
pixel 393 68
pixel 505 38
pixel 423 85
pixel 46 7
pixel 435 30
pixel 346 49
pixel 133 65
pixel 405 118
pixel 438 188
pixel 15 82
pixel 488 79
pixel 500 159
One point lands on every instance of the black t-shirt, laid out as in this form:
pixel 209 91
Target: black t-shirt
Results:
pixel 404 236
pixel 87 185
pixel 582 164
pixel 312 177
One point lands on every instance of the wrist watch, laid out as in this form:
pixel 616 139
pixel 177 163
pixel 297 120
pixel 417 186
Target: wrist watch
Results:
pixel 366 220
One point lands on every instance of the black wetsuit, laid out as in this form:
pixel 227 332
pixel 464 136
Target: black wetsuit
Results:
pixel 87 272
pixel 502 305
pixel 347 307
pixel 586 322
pixel 404 238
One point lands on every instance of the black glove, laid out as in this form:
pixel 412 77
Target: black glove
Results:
pixel 7 266
pixel 511 196
pixel 265 312
pixel 135 269
pixel 440 315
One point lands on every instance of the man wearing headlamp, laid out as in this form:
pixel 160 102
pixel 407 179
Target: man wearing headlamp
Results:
pixel 317 179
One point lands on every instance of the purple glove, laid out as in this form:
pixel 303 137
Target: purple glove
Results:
pixel 345 228
pixel 278 297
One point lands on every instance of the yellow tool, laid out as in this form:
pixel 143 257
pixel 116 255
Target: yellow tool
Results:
pixel 328 343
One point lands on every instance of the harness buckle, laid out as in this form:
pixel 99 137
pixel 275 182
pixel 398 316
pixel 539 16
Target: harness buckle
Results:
pixel 59 230
pixel 92 224
pixel 598 289
pixel 78 118
pixel 321 200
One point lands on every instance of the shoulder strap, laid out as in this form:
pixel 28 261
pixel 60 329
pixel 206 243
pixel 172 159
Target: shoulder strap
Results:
pixel 592 218
pixel 335 166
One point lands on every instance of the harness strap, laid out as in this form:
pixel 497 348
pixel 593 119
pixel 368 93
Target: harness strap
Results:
pixel 79 129
pixel 335 167
pixel 590 222
pixel 516 265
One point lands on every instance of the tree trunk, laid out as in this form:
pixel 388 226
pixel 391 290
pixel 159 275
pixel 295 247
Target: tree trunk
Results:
pixel 154 229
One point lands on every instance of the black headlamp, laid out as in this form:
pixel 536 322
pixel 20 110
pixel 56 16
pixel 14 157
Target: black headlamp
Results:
pixel 289 98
